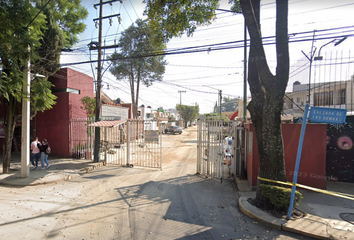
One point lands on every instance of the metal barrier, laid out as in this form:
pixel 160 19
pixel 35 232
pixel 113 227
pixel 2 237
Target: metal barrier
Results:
pixel 216 156
pixel 81 138
pixel 135 143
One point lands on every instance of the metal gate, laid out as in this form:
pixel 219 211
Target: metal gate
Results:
pixel 132 143
pixel 82 137
pixel 125 142
pixel 218 148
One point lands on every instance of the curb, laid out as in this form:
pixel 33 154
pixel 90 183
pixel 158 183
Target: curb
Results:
pixel 308 226
pixel 316 225
pixel 93 166
pixel 261 216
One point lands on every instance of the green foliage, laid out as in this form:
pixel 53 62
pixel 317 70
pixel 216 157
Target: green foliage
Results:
pixel 215 116
pixel 188 113
pixel 11 86
pixel 134 62
pixel 41 96
pixel 89 106
pixel 15 38
pixel 31 32
pixel 173 18
pixel 68 15
pixel 236 7
pixel 229 104
pixel 278 197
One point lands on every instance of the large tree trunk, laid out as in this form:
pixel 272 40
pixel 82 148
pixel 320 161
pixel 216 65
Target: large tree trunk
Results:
pixel 267 92
pixel 10 116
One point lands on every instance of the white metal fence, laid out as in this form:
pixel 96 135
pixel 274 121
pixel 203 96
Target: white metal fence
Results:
pixel 136 143
pixel 131 143
pixel 219 149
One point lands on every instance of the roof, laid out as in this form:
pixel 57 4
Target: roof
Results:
pixel 110 124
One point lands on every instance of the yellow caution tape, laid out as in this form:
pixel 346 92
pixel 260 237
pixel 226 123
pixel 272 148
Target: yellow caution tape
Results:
pixel 332 193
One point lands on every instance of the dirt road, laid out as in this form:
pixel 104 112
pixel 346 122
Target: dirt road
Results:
pixel 115 202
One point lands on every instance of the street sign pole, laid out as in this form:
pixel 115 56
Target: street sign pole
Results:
pixel 298 158
pixel 317 115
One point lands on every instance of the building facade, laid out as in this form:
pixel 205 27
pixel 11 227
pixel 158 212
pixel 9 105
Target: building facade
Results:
pixel 339 94
pixel 55 124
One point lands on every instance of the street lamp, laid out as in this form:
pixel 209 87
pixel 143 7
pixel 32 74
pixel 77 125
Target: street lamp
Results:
pixel 311 58
pixel 219 99
pixel 335 41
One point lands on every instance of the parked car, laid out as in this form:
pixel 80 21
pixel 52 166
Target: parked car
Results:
pixel 174 129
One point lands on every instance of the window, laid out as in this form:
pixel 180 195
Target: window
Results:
pixel 69 90
pixel 323 98
pixel 342 96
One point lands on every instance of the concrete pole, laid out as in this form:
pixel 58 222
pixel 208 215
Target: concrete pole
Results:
pixel 25 136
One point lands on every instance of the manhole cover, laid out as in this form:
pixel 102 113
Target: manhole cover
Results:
pixel 349 217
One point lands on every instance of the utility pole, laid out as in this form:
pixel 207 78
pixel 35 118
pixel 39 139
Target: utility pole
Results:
pixel 220 100
pixel 25 141
pixel 99 76
pixel 245 72
pixel 180 96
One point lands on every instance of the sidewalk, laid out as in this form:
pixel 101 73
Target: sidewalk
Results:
pixel 61 169
pixel 327 217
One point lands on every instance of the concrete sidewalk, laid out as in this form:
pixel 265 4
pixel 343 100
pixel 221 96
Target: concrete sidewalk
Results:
pixel 327 217
pixel 61 169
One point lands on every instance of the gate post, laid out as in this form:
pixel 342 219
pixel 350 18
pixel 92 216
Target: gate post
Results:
pixel 128 142
pixel 199 146
pixel 209 157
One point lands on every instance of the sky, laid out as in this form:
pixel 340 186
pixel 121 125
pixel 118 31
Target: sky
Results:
pixel 201 75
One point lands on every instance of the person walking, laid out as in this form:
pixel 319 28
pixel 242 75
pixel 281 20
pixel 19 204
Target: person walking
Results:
pixel 44 154
pixel 35 153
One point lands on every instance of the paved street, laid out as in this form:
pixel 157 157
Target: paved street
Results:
pixel 114 202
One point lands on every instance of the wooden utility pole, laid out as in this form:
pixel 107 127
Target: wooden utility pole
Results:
pixel 180 96
pixel 99 75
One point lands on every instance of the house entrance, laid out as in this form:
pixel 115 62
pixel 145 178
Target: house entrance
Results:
pixel 220 148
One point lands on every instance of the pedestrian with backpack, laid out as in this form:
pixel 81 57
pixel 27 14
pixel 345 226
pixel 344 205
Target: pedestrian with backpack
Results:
pixel 45 150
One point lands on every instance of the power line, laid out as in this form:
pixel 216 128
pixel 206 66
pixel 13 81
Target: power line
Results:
pixel 37 14
pixel 232 45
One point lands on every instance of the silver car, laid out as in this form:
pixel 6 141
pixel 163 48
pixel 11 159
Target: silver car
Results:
pixel 174 129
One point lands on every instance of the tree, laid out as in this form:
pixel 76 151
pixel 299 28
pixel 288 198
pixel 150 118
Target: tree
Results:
pixel 229 104
pixel 42 29
pixel 173 18
pixel 89 106
pixel 188 113
pixel 267 89
pixel 134 63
